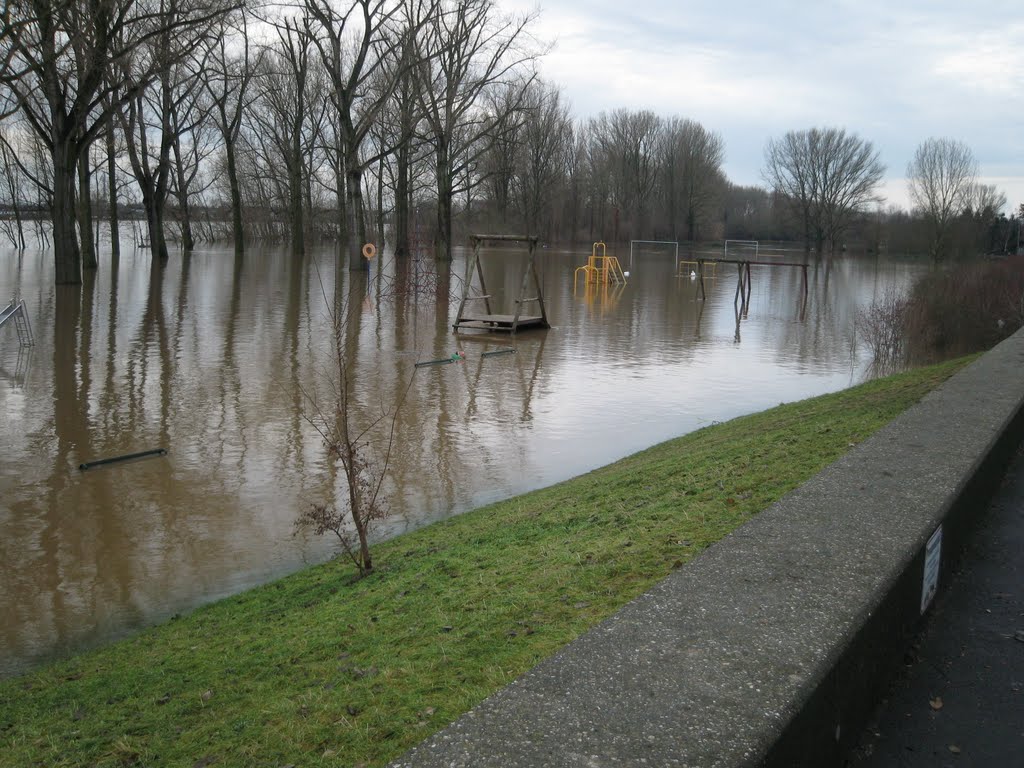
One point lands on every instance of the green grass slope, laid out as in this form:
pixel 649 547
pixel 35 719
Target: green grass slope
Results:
pixel 320 670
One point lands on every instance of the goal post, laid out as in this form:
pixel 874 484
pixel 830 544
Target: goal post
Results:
pixel 634 243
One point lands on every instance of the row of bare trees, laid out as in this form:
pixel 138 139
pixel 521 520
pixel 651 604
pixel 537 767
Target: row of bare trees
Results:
pixel 334 118
pixel 829 181
pixel 279 114
pixel 343 118
pixel 621 175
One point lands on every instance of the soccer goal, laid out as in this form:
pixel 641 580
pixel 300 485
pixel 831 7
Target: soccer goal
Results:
pixel 634 249
pixel 743 250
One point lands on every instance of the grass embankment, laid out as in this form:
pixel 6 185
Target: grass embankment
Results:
pixel 317 670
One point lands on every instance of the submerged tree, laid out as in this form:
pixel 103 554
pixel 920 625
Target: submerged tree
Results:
pixel 828 175
pixel 62 66
pixel 465 50
pixel 625 144
pixel 227 77
pixel 541 156
pixel 364 49
pixel 941 178
pixel 692 180
pixel 166 108
pixel 284 128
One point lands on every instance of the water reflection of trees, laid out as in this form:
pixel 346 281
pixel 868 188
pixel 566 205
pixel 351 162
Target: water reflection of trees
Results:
pixel 209 360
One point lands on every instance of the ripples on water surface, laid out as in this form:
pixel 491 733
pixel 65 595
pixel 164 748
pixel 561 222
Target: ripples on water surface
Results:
pixel 212 358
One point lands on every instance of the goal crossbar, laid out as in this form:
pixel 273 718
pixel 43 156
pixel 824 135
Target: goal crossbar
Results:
pixel 744 244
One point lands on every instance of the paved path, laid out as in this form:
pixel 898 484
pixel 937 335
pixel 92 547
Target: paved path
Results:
pixel 960 702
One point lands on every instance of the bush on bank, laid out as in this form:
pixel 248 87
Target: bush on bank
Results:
pixel 946 314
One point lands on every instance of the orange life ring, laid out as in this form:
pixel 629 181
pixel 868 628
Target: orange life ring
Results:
pixel 369 251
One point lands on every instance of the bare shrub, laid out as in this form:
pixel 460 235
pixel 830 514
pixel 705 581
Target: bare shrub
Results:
pixel 966 310
pixel 881 326
pixel 365 505
pixel 946 314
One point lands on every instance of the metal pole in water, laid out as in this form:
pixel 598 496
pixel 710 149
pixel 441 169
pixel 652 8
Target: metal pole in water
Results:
pixel 127 457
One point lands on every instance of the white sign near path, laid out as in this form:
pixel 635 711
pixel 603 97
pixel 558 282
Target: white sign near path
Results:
pixel 932 558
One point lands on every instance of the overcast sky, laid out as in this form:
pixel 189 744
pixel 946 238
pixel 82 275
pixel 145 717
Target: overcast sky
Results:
pixel 894 72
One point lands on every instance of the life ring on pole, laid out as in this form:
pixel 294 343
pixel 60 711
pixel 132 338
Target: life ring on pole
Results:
pixel 369 251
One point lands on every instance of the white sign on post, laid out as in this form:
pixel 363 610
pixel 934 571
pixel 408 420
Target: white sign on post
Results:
pixel 932 559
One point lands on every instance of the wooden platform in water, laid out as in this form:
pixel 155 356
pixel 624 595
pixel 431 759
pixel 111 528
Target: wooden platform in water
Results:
pixel 505 323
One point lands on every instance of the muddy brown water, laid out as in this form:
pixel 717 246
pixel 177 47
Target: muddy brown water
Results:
pixel 224 363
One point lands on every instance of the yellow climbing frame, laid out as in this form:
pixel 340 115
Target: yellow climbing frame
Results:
pixel 600 269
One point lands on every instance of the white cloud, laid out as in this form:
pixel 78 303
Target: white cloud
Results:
pixel 992 63
pixel 894 73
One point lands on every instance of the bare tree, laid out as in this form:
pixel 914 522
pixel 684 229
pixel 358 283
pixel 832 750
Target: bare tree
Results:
pixel 283 128
pixel 466 49
pixel 828 175
pixel 227 78
pixel 940 179
pixel 362 445
pixel 63 63
pixel 498 163
pixel 398 169
pixel 193 140
pixel 541 163
pixel 113 214
pixel 403 113
pixel 624 150
pixel 167 90
pixel 12 190
pixel 982 223
pixel 986 199
pixel 692 181
pixel 364 50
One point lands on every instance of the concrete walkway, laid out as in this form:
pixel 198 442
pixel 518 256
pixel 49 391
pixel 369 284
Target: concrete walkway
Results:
pixel 776 644
pixel 960 701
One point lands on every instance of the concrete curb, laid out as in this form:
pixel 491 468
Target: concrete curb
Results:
pixel 774 645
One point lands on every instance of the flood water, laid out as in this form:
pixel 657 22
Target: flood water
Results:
pixel 223 363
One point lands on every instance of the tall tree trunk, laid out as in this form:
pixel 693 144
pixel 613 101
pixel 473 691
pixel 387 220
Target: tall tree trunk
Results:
pixel 236 200
pixel 402 201
pixel 85 211
pixel 380 203
pixel 295 204
pixel 443 236
pixel 19 222
pixel 113 214
pixel 155 226
pixel 67 258
pixel 188 241
pixel 357 223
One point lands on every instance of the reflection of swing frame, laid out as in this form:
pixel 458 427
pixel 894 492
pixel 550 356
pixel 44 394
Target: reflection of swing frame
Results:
pixel 743 266
pixel 520 367
pixel 488 320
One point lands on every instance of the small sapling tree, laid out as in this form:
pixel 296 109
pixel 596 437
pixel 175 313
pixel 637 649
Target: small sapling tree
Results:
pixel 361 444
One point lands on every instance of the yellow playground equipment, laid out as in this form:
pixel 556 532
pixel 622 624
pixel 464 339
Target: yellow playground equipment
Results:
pixel 600 269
